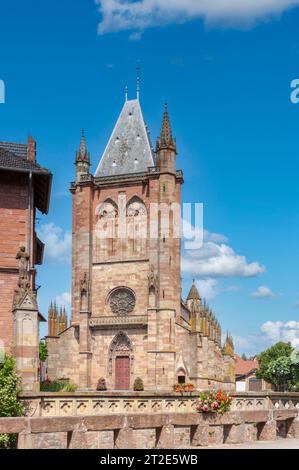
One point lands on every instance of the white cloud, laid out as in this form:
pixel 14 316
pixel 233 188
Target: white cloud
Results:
pixel 270 333
pixel 207 288
pixel 251 344
pixel 119 15
pixel 217 259
pixel 210 288
pixel 136 36
pixel 64 299
pixel 280 331
pixel 263 291
pixel 58 243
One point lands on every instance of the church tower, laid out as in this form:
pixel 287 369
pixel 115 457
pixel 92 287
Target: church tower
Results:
pixel 126 260
pixel 128 319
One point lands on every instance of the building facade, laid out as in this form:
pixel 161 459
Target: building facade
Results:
pixel 25 187
pixel 246 380
pixel 128 318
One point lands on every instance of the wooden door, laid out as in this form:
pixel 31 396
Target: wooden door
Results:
pixel 122 373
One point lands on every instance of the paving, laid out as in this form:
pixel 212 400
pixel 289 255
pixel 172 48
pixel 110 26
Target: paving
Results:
pixel 278 444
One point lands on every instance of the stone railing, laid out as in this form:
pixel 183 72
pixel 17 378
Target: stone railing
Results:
pixel 149 431
pixel 125 321
pixel 101 403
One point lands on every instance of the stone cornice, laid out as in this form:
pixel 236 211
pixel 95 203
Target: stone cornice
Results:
pixel 125 321
pixel 117 180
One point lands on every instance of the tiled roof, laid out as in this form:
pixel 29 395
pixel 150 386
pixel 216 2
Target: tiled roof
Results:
pixel 11 160
pixel 244 367
pixel 14 158
pixel 18 149
pixel 129 148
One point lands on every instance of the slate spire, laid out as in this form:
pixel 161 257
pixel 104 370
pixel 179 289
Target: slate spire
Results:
pixel 128 150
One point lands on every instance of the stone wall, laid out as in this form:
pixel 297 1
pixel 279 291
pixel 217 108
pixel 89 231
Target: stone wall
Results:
pixel 150 431
pixel 63 352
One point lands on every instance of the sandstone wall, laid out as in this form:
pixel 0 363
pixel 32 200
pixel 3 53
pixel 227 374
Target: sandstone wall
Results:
pixel 150 431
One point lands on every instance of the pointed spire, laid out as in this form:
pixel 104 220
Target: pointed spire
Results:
pixel 166 141
pixel 50 320
pixel 82 155
pixel 193 294
pixel 65 318
pixel 126 93
pixel 229 345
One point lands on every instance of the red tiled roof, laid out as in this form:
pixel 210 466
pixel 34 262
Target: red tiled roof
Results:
pixel 244 367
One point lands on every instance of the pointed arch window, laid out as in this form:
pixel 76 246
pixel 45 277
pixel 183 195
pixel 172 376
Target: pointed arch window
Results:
pixel 136 225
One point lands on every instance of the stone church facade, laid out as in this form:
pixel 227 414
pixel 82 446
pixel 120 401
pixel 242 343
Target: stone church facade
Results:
pixel 128 318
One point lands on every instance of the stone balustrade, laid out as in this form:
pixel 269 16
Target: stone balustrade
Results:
pixel 102 403
pixel 149 431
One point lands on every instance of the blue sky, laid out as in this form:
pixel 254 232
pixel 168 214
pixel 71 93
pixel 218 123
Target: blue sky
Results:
pixel 226 75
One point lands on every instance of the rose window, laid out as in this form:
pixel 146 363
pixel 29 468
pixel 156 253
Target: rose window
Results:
pixel 122 301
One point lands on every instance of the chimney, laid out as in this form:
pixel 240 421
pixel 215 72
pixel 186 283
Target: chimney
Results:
pixel 31 149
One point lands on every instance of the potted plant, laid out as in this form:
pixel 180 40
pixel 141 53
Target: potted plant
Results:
pixel 138 385
pixel 101 387
pixel 189 387
pixel 214 402
pixel 178 388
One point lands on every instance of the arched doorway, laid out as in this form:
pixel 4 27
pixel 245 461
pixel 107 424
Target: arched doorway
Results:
pixel 121 361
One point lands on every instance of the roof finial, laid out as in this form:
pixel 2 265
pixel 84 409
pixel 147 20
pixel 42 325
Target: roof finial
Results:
pixel 83 143
pixel 126 93
pixel 138 81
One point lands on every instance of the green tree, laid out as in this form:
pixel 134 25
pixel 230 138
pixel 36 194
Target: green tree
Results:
pixel 275 365
pixel 10 387
pixel 294 382
pixel 279 373
pixel 43 351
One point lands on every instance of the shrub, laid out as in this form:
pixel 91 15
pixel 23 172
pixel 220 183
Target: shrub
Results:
pixel 214 402
pixel 43 351
pixel 10 387
pixel 138 385
pixel 101 387
pixel 70 387
pixel 58 385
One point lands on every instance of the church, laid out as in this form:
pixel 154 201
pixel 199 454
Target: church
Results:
pixel 128 318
